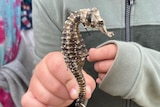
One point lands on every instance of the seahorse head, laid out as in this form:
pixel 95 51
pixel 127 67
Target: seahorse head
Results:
pixel 94 20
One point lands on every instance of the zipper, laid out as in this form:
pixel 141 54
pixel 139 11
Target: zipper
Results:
pixel 128 6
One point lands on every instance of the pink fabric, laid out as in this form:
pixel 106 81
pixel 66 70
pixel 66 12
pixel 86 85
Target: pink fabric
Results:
pixel 5 99
pixel 2 32
pixel 10 22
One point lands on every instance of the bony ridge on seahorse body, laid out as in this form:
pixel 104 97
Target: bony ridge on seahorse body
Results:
pixel 73 47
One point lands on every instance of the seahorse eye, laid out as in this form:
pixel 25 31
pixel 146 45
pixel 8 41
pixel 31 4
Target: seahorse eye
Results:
pixel 89 17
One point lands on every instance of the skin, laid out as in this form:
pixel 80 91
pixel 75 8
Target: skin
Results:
pixel 103 58
pixel 54 87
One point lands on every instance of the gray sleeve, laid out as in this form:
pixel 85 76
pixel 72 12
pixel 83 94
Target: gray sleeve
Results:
pixel 135 74
pixel 15 76
pixel 48 25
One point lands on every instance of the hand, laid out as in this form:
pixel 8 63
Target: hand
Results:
pixel 53 84
pixel 104 57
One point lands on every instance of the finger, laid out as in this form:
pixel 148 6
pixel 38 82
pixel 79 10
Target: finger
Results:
pixel 28 100
pixel 42 94
pixel 50 82
pixel 58 68
pixel 98 81
pixel 101 75
pixel 103 66
pixel 102 53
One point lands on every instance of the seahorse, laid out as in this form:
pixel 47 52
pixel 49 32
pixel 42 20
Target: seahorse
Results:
pixel 73 47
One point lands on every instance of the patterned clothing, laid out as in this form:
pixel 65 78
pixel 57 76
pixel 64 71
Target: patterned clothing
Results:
pixel 15 15
pixel 9 39
pixel 26 14
pixel 9 30
pixel 5 99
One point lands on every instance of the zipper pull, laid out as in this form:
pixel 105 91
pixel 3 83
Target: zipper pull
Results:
pixel 131 2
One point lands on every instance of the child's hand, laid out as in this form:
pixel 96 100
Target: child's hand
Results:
pixel 104 57
pixel 53 84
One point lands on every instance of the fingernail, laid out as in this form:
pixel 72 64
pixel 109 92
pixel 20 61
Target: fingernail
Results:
pixel 74 93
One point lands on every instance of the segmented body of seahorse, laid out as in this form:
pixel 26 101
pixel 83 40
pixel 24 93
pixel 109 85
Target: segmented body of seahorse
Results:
pixel 73 47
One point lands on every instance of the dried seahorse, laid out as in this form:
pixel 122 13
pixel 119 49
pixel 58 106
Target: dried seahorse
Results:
pixel 73 47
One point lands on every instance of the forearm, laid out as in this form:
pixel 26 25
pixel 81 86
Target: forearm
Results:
pixel 134 74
